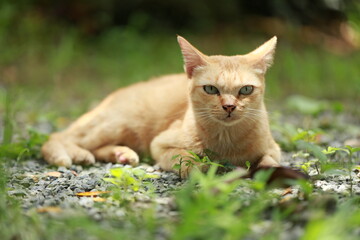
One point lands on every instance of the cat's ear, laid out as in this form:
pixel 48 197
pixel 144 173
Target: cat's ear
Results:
pixel 193 58
pixel 263 56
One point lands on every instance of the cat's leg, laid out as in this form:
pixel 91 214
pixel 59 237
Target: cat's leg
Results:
pixel 166 159
pixel 169 144
pixel 75 144
pixel 55 154
pixel 64 153
pixel 268 161
pixel 271 157
pixel 117 154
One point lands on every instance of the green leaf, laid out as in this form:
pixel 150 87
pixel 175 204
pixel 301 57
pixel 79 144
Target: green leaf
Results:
pixel 111 180
pixel 138 172
pixel 260 179
pixel 215 164
pixel 177 166
pixel 305 186
pixel 263 175
pixel 117 172
pixel 352 149
pixel 248 165
pixel 194 156
pixel 312 148
pixel 301 135
pixel 331 150
pixel 175 156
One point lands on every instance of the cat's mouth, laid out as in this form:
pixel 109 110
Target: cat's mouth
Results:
pixel 230 118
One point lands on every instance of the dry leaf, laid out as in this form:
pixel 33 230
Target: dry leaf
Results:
pixel 34 177
pixel 287 191
pixel 99 199
pixel 49 210
pixel 91 194
pixel 75 173
pixel 53 174
pixel 285 199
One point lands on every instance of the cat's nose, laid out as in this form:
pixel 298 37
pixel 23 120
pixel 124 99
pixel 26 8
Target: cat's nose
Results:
pixel 229 108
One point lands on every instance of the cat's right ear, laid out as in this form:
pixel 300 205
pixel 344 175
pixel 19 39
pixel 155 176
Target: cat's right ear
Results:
pixel 193 58
pixel 263 56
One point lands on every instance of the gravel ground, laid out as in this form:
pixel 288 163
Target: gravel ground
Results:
pixel 30 182
pixel 40 185
pixel 53 189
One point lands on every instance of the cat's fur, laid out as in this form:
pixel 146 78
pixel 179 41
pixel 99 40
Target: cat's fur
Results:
pixel 173 114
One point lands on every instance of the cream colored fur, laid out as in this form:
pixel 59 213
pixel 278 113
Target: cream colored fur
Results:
pixel 173 114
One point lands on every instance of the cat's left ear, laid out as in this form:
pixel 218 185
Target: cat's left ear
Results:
pixel 193 58
pixel 262 57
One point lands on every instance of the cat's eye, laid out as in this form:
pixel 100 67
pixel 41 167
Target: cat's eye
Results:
pixel 209 89
pixel 246 90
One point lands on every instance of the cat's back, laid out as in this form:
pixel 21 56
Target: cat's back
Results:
pixel 158 94
pixel 162 99
pixel 148 108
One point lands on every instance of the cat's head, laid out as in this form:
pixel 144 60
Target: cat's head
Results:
pixel 227 89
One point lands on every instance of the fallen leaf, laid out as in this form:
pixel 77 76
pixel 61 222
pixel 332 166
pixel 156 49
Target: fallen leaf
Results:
pixel 53 174
pixel 286 191
pixel 35 177
pixel 75 173
pixel 99 199
pixel 91 194
pixel 49 210
pixel 285 199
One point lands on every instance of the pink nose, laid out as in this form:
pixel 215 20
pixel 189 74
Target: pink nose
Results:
pixel 229 108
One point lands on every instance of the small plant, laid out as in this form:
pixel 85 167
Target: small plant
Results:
pixel 306 187
pixel 260 179
pixel 192 160
pixel 306 166
pixel 209 200
pixel 248 165
pixel 347 165
pixel 24 148
pixel 127 181
pixel 306 135
pixel 305 141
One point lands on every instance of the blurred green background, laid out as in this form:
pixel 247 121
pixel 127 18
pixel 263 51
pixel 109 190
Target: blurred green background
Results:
pixel 58 58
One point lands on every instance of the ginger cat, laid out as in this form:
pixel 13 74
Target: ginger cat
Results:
pixel 217 105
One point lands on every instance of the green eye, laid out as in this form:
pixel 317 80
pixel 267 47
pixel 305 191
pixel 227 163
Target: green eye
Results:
pixel 246 90
pixel 209 89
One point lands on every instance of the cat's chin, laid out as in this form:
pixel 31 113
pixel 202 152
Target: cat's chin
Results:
pixel 228 121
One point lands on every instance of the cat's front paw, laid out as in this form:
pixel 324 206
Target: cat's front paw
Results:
pixel 125 155
pixel 61 161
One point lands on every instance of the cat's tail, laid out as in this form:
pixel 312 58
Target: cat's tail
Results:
pixel 61 152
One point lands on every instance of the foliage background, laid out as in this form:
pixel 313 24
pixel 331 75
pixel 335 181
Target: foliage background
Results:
pixel 72 53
